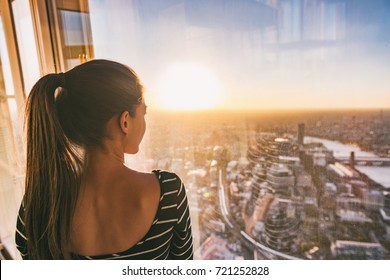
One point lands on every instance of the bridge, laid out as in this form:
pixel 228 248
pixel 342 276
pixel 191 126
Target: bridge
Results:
pixel 365 161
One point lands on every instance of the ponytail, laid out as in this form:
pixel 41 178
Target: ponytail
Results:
pixel 52 173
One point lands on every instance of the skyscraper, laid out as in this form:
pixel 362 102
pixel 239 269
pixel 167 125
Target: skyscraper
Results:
pixel 301 133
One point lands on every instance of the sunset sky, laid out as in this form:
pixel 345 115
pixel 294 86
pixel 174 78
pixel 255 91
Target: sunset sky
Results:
pixel 251 54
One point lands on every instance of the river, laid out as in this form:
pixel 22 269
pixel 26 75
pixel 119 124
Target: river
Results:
pixel 379 174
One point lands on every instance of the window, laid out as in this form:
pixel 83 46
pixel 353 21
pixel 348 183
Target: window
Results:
pixel 256 104
pixel 11 139
pixel 71 32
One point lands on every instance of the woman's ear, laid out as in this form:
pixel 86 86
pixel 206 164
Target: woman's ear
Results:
pixel 124 122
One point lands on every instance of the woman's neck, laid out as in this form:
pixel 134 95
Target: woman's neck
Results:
pixel 103 163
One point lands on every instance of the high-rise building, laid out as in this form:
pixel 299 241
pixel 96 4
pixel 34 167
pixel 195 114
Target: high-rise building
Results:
pixel 281 178
pixel 301 133
pixel 280 229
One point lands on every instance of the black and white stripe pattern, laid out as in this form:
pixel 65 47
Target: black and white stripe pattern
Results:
pixel 20 236
pixel 168 238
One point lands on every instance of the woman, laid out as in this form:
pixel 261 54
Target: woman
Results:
pixel 81 201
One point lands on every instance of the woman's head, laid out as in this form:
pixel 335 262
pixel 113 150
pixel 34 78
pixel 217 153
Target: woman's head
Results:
pixel 91 94
pixel 64 112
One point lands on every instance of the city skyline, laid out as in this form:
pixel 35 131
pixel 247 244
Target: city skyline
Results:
pixel 242 171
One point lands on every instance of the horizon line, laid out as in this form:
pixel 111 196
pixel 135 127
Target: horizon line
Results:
pixel 253 110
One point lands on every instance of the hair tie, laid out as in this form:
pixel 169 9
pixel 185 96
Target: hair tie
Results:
pixel 62 79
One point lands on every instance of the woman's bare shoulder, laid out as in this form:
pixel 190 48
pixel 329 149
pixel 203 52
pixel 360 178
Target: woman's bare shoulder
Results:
pixel 144 185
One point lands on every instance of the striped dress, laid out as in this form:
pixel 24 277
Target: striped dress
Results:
pixel 168 238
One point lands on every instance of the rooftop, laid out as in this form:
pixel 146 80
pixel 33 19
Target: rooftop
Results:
pixel 379 174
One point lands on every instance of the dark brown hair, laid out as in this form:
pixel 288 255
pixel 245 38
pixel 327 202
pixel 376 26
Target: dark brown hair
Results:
pixel 65 114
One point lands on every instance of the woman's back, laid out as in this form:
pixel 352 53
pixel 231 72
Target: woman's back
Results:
pixel 168 236
pixel 112 215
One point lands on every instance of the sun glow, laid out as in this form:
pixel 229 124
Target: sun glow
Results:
pixel 188 86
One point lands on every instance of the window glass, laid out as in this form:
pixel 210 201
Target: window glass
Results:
pixel 71 32
pixel 11 151
pixel 72 22
pixel 274 113
pixel 76 40
pixel 9 86
pixel 26 43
